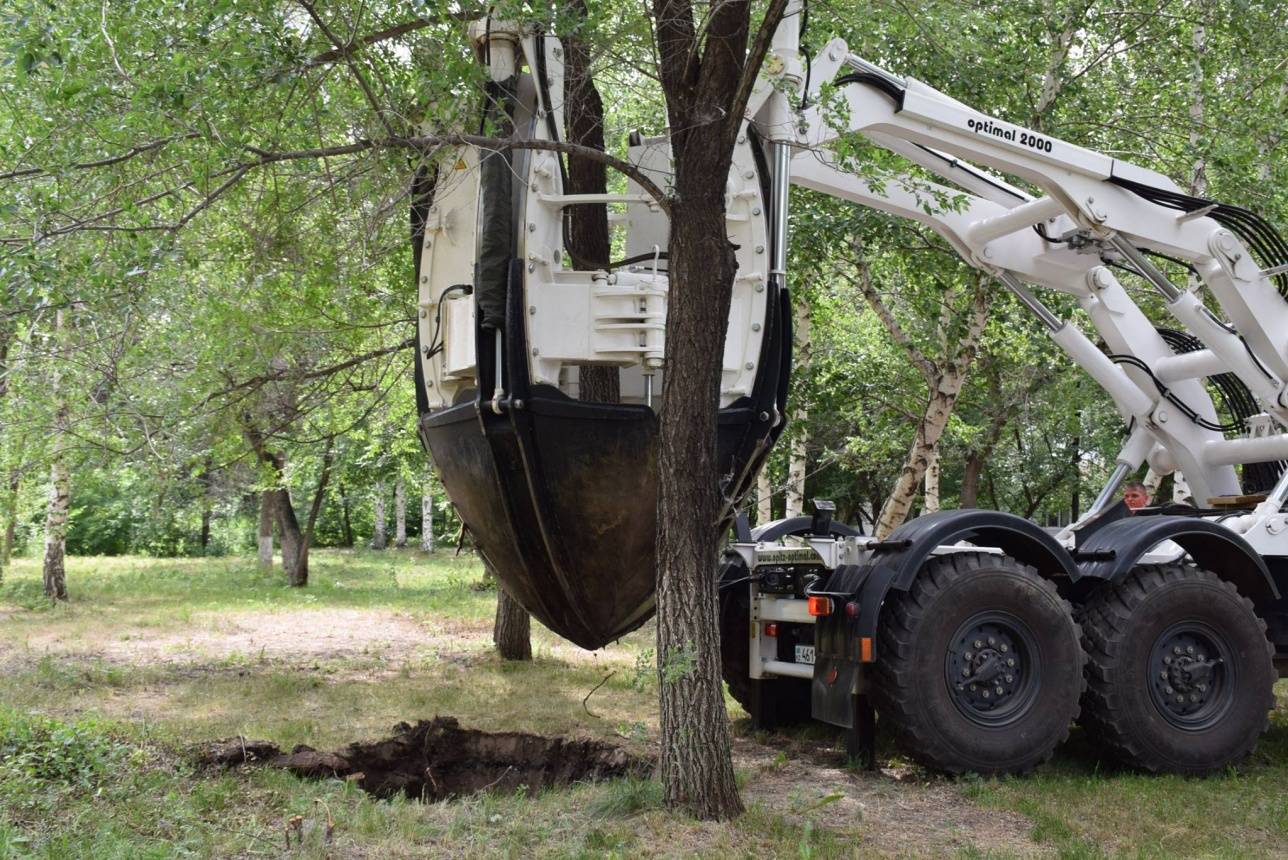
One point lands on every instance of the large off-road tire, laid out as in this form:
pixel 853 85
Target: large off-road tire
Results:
pixel 791 695
pixel 971 625
pixel 1180 673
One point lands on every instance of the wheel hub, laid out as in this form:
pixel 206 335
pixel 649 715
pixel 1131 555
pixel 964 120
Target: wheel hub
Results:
pixel 990 668
pixel 1191 676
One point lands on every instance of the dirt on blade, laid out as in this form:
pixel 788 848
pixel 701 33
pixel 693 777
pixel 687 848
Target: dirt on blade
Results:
pixel 436 759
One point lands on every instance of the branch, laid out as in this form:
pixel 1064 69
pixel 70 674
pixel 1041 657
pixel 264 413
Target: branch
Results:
pixel 301 376
pixel 354 45
pixel 883 312
pixel 105 162
pixel 755 59
pixel 353 67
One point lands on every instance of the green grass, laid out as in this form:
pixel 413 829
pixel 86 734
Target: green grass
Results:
pixel 101 699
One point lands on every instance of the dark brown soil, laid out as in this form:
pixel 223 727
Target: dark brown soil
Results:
pixel 438 759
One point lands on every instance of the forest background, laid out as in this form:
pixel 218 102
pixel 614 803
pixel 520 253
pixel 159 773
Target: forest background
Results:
pixel 205 282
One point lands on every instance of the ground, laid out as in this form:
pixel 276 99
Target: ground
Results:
pixel 101 701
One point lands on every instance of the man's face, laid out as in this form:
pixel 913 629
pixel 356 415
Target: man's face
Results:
pixel 1136 498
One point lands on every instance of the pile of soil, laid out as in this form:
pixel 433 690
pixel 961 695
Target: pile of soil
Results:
pixel 437 759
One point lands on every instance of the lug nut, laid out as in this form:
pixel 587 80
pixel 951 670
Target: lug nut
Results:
pixel 1202 688
pixel 1176 649
pixel 1010 661
pixel 1167 661
pixel 965 671
pixel 1010 679
pixel 986 694
pixel 979 644
pixel 999 691
pixel 972 688
pixel 992 641
pixel 1180 698
pixel 968 655
pixel 1168 690
pixel 1194 697
pixel 1189 649
pixel 1004 648
pixel 1163 675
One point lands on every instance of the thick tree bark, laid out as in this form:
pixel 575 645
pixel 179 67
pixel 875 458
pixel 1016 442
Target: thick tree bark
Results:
pixel 55 572
pixel 511 631
pixel 706 78
pixel 378 538
pixel 588 237
pixel 266 518
pixel 400 513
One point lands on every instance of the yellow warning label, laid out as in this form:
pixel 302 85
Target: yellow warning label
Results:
pixel 460 164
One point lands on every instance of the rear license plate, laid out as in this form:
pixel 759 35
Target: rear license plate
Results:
pixel 805 654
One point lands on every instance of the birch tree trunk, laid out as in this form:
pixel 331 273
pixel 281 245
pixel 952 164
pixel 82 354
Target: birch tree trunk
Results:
pixel 931 503
pixel 400 513
pixel 378 538
pixel 944 379
pixel 60 493
pixel 764 499
pixel 266 531
pixel 427 520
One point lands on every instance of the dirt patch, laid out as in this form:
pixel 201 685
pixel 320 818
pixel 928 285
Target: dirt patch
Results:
pixel 294 636
pixel 438 759
pixel 897 813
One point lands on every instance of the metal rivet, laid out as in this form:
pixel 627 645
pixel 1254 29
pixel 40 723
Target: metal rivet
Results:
pixel 536 351
pixel 760 249
pixel 750 174
pixel 532 309
pixel 755 210
pixel 424 279
pixel 749 365
pixel 755 326
pixel 532 227
pixel 532 267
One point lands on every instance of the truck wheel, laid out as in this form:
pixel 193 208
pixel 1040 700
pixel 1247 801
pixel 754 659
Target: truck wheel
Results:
pixel 1180 676
pixel 979 667
pixel 791 695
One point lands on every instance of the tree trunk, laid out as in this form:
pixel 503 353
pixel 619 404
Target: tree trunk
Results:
pixel 345 522
pixel 427 520
pixel 924 447
pixel 511 631
pixel 378 538
pixel 266 517
pixel 55 572
pixel 11 518
pixel 764 497
pixel 931 503
pixel 295 548
pixel 696 767
pixel 589 242
pixel 400 513
pixel 970 480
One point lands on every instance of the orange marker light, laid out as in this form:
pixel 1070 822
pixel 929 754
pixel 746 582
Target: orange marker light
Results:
pixel 820 606
pixel 865 649
pixel 771 628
